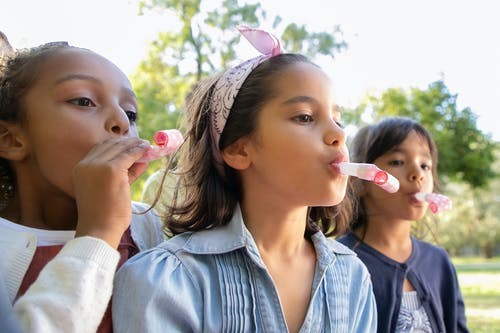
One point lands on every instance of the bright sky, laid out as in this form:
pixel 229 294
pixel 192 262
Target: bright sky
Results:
pixel 396 43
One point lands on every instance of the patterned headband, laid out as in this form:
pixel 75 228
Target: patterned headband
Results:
pixel 227 87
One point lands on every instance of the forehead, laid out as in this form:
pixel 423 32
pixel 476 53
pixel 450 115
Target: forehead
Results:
pixel 303 77
pixel 71 61
pixel 415 142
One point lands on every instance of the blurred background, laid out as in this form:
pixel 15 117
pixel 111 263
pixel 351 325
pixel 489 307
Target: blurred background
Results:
pixel 434 61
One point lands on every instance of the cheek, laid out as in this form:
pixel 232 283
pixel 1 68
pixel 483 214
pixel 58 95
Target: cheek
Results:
pixel 60 153
pixel 428 185
pixel 370 190
pixel 64 149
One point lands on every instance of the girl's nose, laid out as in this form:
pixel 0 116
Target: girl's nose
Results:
pixel 416 174
pixel 117 121
pixel 334 134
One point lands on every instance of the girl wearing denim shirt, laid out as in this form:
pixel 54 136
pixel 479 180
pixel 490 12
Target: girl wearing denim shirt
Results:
pixel 260 189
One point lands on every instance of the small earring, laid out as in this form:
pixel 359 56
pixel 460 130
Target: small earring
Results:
pixel 6 187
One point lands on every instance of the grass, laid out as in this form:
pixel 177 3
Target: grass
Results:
pixel 479 280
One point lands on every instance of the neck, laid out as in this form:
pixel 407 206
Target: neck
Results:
pixel 391 237
pixel 53 215
pixel 275 231
pixel 50 210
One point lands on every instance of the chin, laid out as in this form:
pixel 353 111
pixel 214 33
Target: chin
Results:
pixel 333 201
pixel 416 217
pixel 328 198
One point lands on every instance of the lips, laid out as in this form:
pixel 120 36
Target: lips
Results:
pixel 415 201
pixel 339 158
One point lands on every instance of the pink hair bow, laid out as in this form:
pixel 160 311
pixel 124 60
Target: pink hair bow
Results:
pixel 263 41
pixel 227 87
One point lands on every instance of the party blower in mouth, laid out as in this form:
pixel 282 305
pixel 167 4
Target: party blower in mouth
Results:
pixel 437 202
pixel 167 142
pixel 371 173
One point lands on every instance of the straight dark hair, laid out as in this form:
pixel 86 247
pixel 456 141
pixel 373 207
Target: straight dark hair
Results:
pixel 373 141
pixel 204 198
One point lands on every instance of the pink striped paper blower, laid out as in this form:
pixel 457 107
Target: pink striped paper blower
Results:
pixel 371 173
pixel 167 142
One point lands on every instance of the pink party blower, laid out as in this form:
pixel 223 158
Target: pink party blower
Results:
pixel 167 142
pixel 371 173
pixel 437 202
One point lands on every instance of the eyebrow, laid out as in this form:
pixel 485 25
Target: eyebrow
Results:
pixel 398 149
pixel 130 92
pixel 300 99
pixel 86 77
pixel 310 100
pixel 71 77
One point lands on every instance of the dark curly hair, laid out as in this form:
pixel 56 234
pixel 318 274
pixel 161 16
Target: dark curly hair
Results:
pixel 18 73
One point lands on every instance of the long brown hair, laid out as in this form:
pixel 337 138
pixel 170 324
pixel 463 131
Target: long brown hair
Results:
pixel 205 198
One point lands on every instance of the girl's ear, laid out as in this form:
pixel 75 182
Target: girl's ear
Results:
pixel 236 156
pixel 12 142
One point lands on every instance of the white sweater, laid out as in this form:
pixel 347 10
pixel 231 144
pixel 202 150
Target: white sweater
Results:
pixel 73 290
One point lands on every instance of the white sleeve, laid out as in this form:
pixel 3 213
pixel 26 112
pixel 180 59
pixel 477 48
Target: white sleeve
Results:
pixel 72 291
pixel 7 319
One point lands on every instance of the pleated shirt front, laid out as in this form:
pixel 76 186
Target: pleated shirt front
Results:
pixel 216 281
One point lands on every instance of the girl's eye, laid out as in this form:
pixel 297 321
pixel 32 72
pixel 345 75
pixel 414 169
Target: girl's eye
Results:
pixel 339 124
pixel 426 167
pixel 396 163
pixel 82 101
pixel 304 118
pixel 132 116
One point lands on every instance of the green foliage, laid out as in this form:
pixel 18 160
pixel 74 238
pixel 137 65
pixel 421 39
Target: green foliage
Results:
pixel 478 281
pixel 297 39
pixel 473 223
pixel 472 226
pixel 204 43
pixel 465 153
pixel 468 165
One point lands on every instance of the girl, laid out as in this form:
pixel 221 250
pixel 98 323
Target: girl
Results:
pixel 68 147
pixel 261 185
pixel 414 282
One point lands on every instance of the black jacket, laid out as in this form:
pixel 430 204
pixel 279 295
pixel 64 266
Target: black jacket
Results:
pixel 429 270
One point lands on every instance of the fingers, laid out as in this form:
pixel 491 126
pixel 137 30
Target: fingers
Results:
pixel 101 185
pixel 111 160
pixel 122 151
pixel 135 171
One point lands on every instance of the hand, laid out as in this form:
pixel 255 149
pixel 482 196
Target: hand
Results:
pixel 101 182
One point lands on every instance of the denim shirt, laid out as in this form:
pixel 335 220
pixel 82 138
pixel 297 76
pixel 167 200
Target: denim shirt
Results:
pixel 216 281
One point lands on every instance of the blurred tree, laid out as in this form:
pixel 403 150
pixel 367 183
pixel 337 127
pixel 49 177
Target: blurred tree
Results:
pixel 465 153
pixel 473 226
pixel 468 165
pixel 204 43
pixel 487 207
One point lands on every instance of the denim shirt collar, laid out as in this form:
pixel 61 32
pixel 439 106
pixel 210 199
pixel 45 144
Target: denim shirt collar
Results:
pixel 235 235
